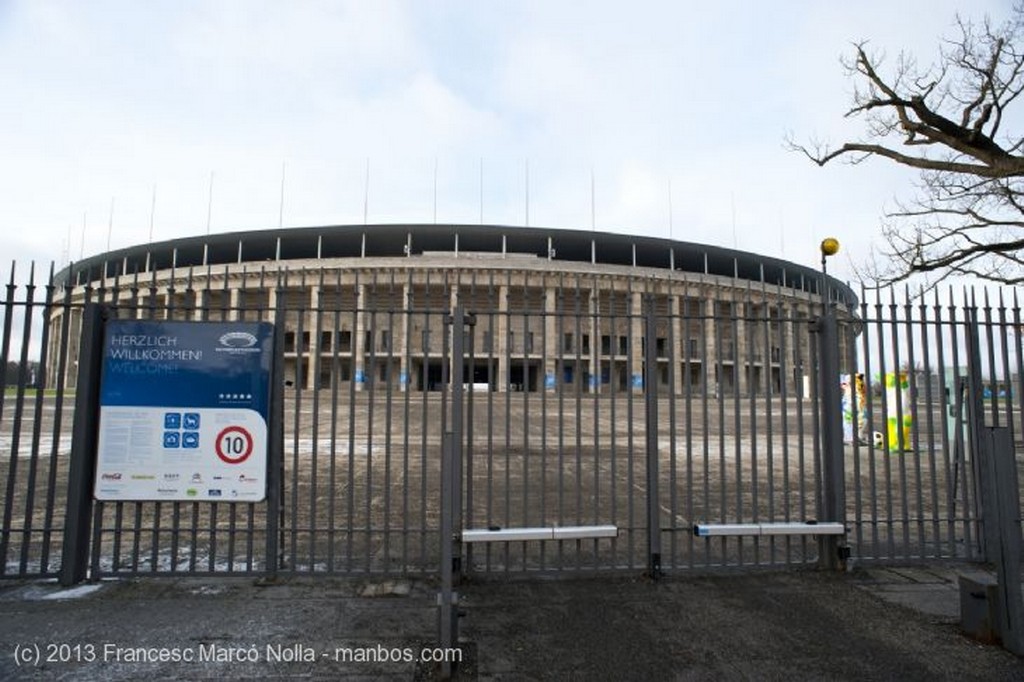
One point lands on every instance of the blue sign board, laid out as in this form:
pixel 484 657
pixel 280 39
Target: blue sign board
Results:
pixel 184 411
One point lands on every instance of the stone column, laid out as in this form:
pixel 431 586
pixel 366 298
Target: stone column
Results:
pixel 501 350
pixel 358 340
pixel 636 322
pixel 403 344
pixel 199 302
pixel 551 344
pixel 710 340
pixel 595 343
pixel 313 354
pixel 678 362
pixel 235 303
pixel 742 364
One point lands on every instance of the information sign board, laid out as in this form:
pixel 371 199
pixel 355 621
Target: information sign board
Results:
pixel 184 410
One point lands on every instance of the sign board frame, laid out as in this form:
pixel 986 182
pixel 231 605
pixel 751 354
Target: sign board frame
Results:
pixel 184 411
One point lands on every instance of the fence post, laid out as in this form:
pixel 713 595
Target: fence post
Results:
pixel 1001 516
pixel 976 423
pixel 275 437
pixel 831 553
pixel 84 435
pixel 650 378
pixel 447 599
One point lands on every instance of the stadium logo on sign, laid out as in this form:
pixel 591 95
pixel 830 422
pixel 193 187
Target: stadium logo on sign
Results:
pixel 238 342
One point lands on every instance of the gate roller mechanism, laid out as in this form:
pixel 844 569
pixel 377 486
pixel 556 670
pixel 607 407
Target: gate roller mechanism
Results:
pixel 552 533
pixel 710 529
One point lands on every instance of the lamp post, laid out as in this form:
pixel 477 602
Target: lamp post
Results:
pixel 832 552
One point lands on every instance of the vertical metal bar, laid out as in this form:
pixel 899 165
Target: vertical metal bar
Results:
pixel 425 385
pixel 975 419
pixel 595 333
pixel 945 400
pixel 886 445
pixel 961 439
pixel 673 382
pixel 37 421
pixel 407 326
pixel 332 487
pixel 768 379
pixel 388 406
pixel 870 417
pixel 723 480
pixel 448 619
pixel 19 413
pixel 508 414
pixel 83 447
pixel 458 426
pixel 750 320
pixel 707 323
pixel 371 391
pixel 915 447
pixel 57 431
pixel 786 374
pixel 650 379
pixel 316 352
pixel 737 412
pixel 684 363
pixel 933 473
pixel 350 486
pixel 492 386
pixel 631 314
pixel 469 375
pixel 275 446
pixel 902 445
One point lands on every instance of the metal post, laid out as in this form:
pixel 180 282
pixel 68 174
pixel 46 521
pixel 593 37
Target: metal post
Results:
pixel 447 599
pixel 458 434
pixel 275 436
pixel 1001 504
pixel 651 423
pixel 975 420
pixel 85 433
pixel 830 556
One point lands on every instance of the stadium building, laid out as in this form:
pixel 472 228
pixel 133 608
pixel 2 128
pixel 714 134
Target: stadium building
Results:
pixel 365 305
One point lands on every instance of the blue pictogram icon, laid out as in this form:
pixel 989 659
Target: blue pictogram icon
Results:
pixel 172 420
pixel 190 439
pixel 191 420
pixel 172 439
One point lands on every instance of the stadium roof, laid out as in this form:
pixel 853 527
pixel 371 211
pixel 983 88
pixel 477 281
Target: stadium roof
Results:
pixel 398 240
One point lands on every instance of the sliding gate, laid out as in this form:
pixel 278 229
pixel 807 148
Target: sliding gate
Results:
pixel 590 428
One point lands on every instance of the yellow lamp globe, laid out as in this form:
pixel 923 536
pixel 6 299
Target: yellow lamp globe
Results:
pixel 829 246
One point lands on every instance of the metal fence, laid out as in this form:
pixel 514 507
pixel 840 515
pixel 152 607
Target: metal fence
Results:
pixel 563 406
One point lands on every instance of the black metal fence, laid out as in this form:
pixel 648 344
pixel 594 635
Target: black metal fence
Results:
pixel 566 406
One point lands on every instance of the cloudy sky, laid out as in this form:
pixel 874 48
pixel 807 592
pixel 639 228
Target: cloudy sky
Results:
pixel 104 104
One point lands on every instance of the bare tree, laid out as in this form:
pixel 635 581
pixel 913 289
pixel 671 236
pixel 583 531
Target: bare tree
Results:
pixel 947 120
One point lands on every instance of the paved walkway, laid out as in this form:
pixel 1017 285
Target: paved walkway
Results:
pixel 877 623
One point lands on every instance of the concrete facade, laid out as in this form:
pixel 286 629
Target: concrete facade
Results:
pixel 541 319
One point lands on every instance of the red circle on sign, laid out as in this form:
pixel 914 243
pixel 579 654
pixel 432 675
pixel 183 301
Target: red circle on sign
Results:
pixel 234 449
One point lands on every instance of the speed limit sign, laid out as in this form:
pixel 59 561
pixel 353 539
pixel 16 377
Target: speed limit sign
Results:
pixel 234 444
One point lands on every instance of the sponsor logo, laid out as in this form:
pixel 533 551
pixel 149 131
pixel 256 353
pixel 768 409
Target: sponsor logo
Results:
pixel 213 492
pixel 220 478
pixel 197 477
pixel 191 492
pixel 109 491
pixel 112 476
pixel 143 477
pixel 167 491
pixel 172 477
pixel 242 478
